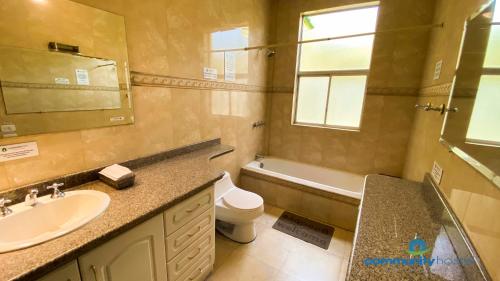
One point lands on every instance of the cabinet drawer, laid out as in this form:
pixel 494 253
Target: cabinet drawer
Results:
pixel 192 231
pixel 186 211
pixel 200 270
pixel 182 262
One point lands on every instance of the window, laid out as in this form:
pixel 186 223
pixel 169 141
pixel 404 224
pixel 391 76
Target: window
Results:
pixel 331 75
pixel 483 124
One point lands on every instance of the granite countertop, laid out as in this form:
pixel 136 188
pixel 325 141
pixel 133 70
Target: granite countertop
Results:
pixel 157 187
pixel 394 212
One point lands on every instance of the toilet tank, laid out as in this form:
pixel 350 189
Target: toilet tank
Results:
pixel 223 185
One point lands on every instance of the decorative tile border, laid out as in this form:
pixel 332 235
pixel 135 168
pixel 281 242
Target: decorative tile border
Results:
pixel 436 90
pixel 279 89
pixel 465 92
pixel 155 80
pixel 392 91
pixel 47 86
pixel 371 91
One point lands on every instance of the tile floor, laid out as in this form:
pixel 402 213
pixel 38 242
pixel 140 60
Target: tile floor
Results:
pixel 276 256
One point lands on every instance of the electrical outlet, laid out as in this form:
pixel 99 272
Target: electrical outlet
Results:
pixel 437 173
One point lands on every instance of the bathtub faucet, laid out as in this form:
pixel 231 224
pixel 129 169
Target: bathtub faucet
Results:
pixel 259 159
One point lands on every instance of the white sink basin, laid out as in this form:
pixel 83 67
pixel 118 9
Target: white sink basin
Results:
pixel 49 218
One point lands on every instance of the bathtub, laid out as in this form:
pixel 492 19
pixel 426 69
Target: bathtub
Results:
pixel 329 180
pixel 327 195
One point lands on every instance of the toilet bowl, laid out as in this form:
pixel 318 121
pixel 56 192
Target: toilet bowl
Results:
pixel 236 210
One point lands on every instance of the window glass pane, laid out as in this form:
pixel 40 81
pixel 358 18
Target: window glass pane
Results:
pixel 484 124
pixel 346 101
pixel 339 23
pixel 311 99
pixel 496 12
pixel 492 58
pixel 343 54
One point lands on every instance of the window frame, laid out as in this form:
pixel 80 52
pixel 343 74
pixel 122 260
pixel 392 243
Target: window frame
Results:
pixel 330 73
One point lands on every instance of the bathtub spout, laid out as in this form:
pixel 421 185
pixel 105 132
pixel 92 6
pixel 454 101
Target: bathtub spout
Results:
pixel 259 159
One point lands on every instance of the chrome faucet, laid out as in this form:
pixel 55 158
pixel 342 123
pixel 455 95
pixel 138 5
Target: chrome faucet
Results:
pixel 3 209
pixel 56 193
pixel 31 198
pixel 259 159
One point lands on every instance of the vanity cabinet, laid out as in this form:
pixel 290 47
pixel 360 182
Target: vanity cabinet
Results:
pixel 178 245
pixel 68 272
pixel 138 254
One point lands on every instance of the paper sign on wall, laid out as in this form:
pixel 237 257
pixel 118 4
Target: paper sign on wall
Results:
pixel 230 66
pixel 436 173
pixel 18 151
pixel 210 73
pixel 437 69
pixel 82 77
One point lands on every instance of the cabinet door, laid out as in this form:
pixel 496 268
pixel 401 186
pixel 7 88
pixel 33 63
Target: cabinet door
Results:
pixel 138 254
pixel 68 272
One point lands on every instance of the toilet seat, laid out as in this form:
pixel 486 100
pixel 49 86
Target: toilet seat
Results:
pixel 242 200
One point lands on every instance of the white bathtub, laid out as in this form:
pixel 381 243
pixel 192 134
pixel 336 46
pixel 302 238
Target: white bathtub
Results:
pixel 329 180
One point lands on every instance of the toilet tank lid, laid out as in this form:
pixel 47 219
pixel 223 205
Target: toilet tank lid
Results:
pixel 243 200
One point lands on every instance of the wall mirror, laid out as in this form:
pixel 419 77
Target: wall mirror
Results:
pixel 63 66
pixel 473 132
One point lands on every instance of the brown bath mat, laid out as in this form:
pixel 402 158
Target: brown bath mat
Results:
pixel 305 229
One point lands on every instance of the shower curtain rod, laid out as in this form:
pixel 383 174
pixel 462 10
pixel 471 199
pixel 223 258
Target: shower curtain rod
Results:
pixel 260 47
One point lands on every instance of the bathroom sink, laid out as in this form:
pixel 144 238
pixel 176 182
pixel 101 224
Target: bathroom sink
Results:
pixel 49 218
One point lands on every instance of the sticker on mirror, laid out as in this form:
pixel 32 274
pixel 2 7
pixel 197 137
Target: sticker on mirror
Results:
pixel 82 77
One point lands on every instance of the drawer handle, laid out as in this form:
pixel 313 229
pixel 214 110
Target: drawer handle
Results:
pixel 193 256
pixel 189 235
pixel 94 271
pixel 200 271
pixel 193 209
pixel 178 265
pixel 188 211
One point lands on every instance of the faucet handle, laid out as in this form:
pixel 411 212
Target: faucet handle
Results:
pixel 57 193
pixel 3 209
pixel 4 201
pixel 31 197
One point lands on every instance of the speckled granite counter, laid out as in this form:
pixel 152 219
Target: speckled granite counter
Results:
pixel 393 213
pixel 158 186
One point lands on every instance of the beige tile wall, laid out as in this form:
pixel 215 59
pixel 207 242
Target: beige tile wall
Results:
pixel 380 146
pixel 168 38
pixel 475 200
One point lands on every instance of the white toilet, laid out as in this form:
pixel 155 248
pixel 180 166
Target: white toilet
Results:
pixel 236 210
